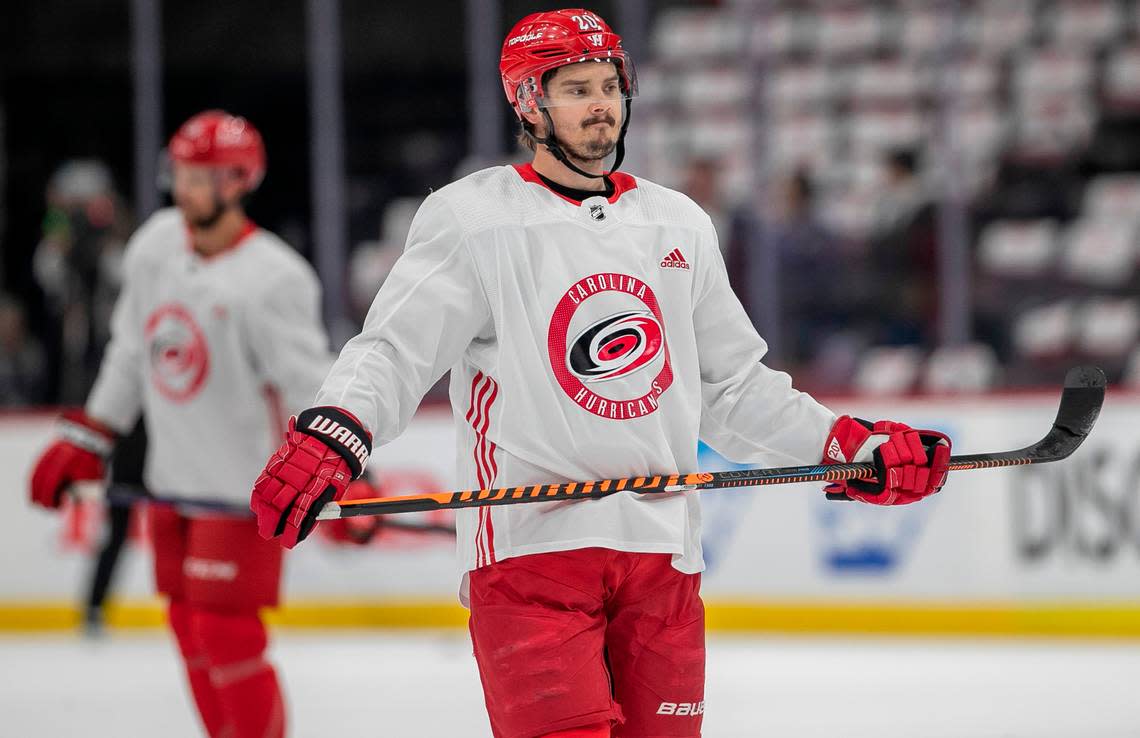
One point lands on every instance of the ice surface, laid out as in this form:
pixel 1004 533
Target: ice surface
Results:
pixel 349 684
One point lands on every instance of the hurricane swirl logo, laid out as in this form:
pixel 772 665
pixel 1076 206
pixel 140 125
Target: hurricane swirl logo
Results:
pixel 598 361
pixel 179 357
pixel 615 346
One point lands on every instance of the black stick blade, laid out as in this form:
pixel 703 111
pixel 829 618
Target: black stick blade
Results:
pixel 1081 400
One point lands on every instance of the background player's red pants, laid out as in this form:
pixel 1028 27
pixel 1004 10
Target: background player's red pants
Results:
pixel 574 638
pixel 218 572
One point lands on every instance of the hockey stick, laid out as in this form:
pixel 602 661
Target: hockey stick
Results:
pixel 122 495
pixel 1081 400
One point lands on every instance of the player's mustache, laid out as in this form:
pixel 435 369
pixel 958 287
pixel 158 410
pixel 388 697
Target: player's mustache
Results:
pixel 607 119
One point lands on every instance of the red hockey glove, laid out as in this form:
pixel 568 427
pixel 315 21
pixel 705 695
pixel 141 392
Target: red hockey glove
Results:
pixel 910 464
pixel 325 448
pixel 76 456
pixel 358 531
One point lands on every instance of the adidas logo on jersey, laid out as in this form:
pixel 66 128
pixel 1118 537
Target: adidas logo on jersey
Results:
pixel 674 260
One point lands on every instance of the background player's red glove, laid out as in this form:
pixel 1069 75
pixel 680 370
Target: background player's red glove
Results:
pixel 77 455
pixel 358 531
pixel 910 464
pixel 325 448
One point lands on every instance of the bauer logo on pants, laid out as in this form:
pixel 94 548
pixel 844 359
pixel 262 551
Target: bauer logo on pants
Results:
pixel 607 346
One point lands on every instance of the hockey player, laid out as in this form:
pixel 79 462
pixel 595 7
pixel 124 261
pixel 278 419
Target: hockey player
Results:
pixel 217 333
pixel 591 333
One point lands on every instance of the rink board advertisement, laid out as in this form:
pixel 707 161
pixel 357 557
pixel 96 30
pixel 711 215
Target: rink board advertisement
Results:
pixel 1055 543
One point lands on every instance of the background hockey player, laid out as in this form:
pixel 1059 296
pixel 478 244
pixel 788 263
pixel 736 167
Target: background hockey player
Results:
pixel 590 331
pixel 216 336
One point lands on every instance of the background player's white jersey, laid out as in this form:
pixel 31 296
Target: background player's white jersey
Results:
pixel 217 352
pixel 586 341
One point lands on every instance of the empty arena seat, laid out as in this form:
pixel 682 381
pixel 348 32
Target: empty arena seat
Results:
pixel 656 85
pixel 396 219
pixel 1045 331
pixel 1052 69
pixel 848 209
pixel 1100 251
pixel 801 138
pixel 923 29
pixel 1122 77
pixel 1053 126
pixel 973 77
pixel 884 80
pixel 971 367
pixel 1015 248
pixel 888 370
pixel 847 28
pixel 999 27
pixel 1113 196
pixel 718 133
pixel 1086 22
pixel 879 130
pixel 781 33
pixel 1108 326
pixel 799 86
pixel 703 32
pixel 717 87
pixel 983 128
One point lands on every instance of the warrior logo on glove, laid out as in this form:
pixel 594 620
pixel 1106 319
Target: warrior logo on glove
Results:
pixel 334 432
pixel 324 450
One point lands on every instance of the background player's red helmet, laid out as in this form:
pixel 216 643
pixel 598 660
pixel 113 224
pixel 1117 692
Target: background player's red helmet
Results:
pixel 215 138
pixel 544 41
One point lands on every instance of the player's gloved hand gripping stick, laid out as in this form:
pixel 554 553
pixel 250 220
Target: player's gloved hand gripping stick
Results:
pixel 77 455
pixel 1081 401
pixel 325 448
pixel 909 464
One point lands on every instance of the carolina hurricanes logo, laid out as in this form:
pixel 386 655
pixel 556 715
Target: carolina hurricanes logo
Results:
pixel 179 358
pixel 615 346
pixel 628 338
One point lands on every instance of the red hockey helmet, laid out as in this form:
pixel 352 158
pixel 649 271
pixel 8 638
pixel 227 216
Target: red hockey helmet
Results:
pixel 215 138
pixel 541 42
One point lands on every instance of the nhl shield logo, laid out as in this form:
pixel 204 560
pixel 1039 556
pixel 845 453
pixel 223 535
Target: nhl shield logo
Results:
pixel 597 212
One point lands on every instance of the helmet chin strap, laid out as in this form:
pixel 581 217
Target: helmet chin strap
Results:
pixel 555 148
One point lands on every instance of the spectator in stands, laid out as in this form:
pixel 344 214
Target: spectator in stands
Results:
pixel 77 266
pixel 812 309
pixel 902 195
pixel 701 182
pixel 22 364
pixel 821 285
pixel 903 248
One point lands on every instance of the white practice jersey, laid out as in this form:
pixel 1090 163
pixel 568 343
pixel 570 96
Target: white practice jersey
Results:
pixel 216 352
pixel 586 341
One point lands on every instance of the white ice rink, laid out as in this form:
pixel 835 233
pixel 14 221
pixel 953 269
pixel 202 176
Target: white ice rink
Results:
pixel 392 685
